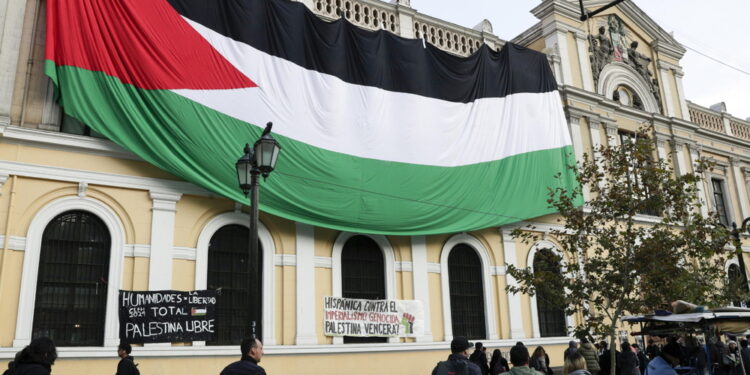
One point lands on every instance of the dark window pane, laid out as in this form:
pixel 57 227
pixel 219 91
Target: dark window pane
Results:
pixel 72 125
pixel 363 276
pixel 71 295
pixel 466 293
pixel 228 270
pixel 551 315
pixel 719 201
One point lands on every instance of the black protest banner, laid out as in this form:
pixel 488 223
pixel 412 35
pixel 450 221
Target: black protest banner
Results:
pixel 167 316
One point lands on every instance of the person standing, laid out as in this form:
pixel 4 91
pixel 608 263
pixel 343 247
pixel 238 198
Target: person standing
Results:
pixel 458 361
pixel 745 355
pixel 652 350
pixel 664 363
pixel 498 364
pixel 588 352
pixel 127 365
pixel 36 358
pixel 575 364
pixel 540 361
pixel 479 357
pixel 642 359
pixel 572 348
pixel 519 357
pixel 252 352
pixel 628 360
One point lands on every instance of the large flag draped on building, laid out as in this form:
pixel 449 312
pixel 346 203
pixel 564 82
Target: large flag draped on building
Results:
pixel 380 134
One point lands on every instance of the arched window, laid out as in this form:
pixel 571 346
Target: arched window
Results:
pixel 627 97
pixel 71 294
pixel 228 271
pixel 551 315
pixel 466 293
pixel 362 275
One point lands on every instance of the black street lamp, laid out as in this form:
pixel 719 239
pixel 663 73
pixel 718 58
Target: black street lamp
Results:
pixel 259 160
pixel 738 245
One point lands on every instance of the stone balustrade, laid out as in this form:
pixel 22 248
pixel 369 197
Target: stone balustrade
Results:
pixel 740 129
pixel 720 122
pixel 404 21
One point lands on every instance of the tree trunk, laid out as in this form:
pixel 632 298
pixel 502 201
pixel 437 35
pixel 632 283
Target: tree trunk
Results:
pixel 612 353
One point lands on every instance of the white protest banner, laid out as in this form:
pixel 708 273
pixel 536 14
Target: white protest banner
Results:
pixel 364 317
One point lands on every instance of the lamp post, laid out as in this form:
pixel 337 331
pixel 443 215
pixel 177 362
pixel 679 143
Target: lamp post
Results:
pixel 259 160
pixel 738 245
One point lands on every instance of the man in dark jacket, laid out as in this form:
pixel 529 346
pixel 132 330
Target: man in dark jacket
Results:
pixel 252 351
pixel 479 357
pixel 458 361
pixel 36 358
pixel 127 365
pixel 745 354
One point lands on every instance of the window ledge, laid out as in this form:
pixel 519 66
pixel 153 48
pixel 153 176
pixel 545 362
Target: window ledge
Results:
pixel 233 350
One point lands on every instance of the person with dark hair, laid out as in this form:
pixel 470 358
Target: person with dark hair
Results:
pixel 36 358
pixel 498 364
pixel 252 351
pixel 605 362
pixel 127 364
pixel 588 351
pixel 664 363
pixel 642 359
pixel 479 357
pixel 628 360
pixel 745 355
pixel 652 350
pixel 458 361
pixel 540 361
pixel 519 357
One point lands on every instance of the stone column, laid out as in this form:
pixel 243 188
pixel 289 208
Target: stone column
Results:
pixel 574 123
pixel 678 74
pixel 695 150
pixel 554 61
pixel 584 62
pixel 679 158
pixel 739 185
pixel 11 28
pixel 305 268
pixel 163 210
pixel 514 300
pixel 666 89
pixel 661 146
pixel 421 282
pixel 556 38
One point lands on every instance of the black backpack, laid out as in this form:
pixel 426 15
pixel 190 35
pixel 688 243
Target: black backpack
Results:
pixel 451 367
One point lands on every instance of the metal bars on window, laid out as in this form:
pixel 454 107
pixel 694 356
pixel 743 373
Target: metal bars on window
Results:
pixel 551 315
pixel 363 275
pixel 228 272
pixel 719 201
pixel 466 293
pixel 71 294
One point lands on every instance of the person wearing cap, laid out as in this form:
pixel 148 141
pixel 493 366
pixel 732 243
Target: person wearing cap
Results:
pixel 458 360
pixel 665 362
pixel 519 357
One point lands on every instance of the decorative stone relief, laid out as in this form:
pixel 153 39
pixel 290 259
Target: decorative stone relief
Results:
pixel 609 45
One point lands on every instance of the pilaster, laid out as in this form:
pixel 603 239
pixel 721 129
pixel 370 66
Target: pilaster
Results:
pixel 584 63
pixel 666 89
pixel 739 185
pixel 555 37
pixel 405 18
pixel 679 157
pixel 612 138
pixel 678 74
pixel 514 300
pixel 305 268
pixel 695 150
pixel 574 124
pixel 661 146
pixel 11 29
pixel 421 282
pixel 163 210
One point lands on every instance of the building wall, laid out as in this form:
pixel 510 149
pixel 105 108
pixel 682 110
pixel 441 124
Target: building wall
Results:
pixel 40 166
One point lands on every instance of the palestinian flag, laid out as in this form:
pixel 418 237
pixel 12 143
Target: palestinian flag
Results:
pixel 380 134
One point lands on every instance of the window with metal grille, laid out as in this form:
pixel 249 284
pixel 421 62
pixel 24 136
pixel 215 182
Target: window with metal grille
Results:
pixel 363 276
pixel 466 292
pixel 551 315
pixel 228 269
pixel 719 202
pixel 71 292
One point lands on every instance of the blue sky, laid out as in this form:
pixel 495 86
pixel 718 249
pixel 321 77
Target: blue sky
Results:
pixel 713 27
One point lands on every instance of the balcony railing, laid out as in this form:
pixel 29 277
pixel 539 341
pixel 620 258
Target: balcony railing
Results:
pixel 376 15
pixel 720 122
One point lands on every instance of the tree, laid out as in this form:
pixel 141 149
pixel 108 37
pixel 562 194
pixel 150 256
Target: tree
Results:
pixel 613 262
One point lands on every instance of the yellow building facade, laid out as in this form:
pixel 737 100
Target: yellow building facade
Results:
pixel 160 228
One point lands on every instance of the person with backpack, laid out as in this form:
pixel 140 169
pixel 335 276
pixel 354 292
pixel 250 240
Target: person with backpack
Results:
pixel 498 364
pixel 458 361
pixel 127 365
pixel 36 358
pixel 519 357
